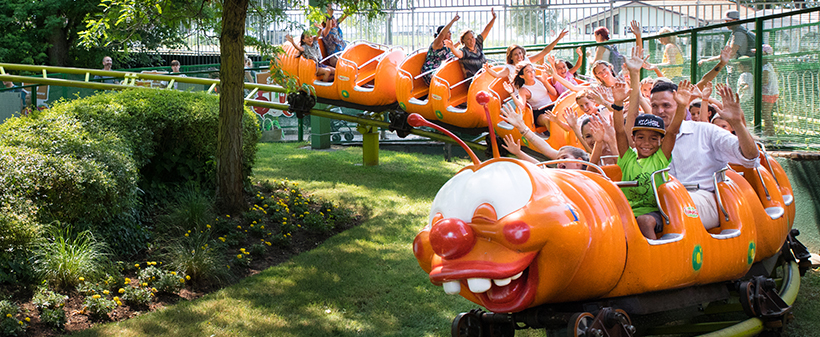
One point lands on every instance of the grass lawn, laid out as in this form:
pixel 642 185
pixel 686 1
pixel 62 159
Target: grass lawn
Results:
pixel 363 282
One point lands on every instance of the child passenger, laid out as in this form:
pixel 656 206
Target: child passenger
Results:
pixel 652 149
pixel 534 90
pixel 309 49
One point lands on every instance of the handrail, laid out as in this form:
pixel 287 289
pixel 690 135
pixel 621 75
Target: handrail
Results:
pixel 543 164
pixel 763 183
pixel 655 191
pixel 722 173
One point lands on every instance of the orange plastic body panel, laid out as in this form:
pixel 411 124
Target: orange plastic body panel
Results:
pixel 366 74
pixel 409 90
pixel 446 94
pixel 573 236
pixel 289 61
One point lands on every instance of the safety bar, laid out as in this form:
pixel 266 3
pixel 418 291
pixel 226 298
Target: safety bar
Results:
pixel 424 73
pixel 655 191
pixel 763 183
pixel 543 164
pixel 768 165
pixel 722 173
pixel 601 159
pixel 336 54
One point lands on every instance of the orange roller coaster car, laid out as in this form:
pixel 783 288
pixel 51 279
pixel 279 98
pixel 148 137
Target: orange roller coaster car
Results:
pixel 509 235
pixel 366 74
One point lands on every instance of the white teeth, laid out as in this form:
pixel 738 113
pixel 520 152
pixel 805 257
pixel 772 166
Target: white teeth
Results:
pixel 479 285
pixel 503 282
pixel 452 287
pixel 516 276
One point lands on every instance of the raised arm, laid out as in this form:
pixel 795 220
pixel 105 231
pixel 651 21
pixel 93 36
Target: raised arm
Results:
pixel 634 65
pixel 513 146
pixel 598 135
pixel 544 78
pixel 572 121
pixel 733 114
pixel 439 41
pixel 725 56
pixel 290 39
pixel 519 104
pixel 517 120
pixel 541 54
pixel 636 30
pixel 682 96
pixel 489 69
pixel 456 52
pixel 489 26
pixel 577 62
pixel 342 18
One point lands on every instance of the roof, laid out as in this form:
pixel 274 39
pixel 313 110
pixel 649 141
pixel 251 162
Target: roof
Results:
pixel 708 11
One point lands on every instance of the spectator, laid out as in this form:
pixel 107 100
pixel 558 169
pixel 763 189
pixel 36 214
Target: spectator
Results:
pixel 607 53
pixel 770 91
pixel 10 84
pixel 438 52
pixel 107 63
pixel 672 62
pixel 174 71
pixel 741 42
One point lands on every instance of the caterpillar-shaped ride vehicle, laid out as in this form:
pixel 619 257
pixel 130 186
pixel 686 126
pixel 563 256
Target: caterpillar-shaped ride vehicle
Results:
pixel 549 248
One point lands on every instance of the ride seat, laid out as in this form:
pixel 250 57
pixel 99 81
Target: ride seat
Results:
pixel 665 239
pixel 726 234
pixel 613 172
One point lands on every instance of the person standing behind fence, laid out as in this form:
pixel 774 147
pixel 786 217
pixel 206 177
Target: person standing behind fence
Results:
pixel 174 71
pixel 770 91
pixel 107 63
pixel 672 63
pixel 741 42
pixel 472 52
pixel 10 84
pixel 438 52
pixel 607 53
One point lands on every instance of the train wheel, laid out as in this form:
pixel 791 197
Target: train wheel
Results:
pixel 747 293
pixel 467 324
pixel 348 136
pixel 336 137
pixel 579 324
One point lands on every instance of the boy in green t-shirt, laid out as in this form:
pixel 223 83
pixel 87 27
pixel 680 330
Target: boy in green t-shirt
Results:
pixel 643 157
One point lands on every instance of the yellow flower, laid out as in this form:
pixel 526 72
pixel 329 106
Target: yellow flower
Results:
pixel 221 239
pixel 116 298
pixel 186 234
pixel 154 289
pixel 239 227
pixel 182 280
pixel 267 243
pixel 20 322
pixel 8 315
pixel 95 297
pixel 127 280
pixel 28 319
pixel 105 292
pixel 227 215
pixel 189 231
pixel 144 284
pixel 173 273
pixel 242 250
pixel 238 256
pixel 121 290
pixel 187 277
pixel 262 227
pixel 251 226
pixel 136 265
pixel 119 303
pixel 82 279
pixel 246 253
pixel 208 226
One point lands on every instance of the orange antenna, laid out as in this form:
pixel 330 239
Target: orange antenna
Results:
pixel 416 120
pixel 483 98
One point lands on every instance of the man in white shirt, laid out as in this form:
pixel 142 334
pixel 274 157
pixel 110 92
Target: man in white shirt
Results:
pixel 701 149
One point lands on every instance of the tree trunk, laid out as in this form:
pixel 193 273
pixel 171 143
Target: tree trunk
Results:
pixel 58 51
pixel 229 182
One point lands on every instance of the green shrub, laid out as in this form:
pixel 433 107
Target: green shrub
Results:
pixel 138 296
pixel 9 324
pixel 98 305
pixel 54 318
pixel 192 211
pixel 62 257
pixel 197 257
pixel 47 299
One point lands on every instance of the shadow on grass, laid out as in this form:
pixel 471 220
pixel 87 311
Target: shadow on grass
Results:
pixel 804 175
